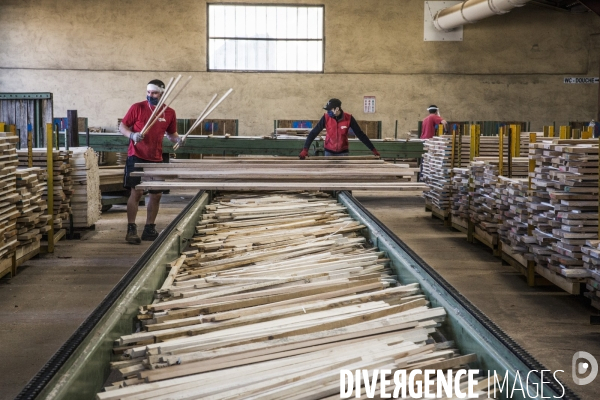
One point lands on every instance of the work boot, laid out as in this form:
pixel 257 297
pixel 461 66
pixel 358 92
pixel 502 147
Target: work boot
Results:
pixel 149 233
pixel 132 235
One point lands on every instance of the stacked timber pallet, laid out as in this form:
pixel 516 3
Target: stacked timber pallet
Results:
pixel 564 206
pixel 460 196
pixel 268 173
pixel 513 232
pixel 280 292
pixel 591 261
pixel 86 201
pixel 63 184
pixel 33 219
pixel 438 162
pixel 8 200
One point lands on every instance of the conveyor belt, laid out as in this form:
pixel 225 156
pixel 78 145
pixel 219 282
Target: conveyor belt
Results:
pixel 80 366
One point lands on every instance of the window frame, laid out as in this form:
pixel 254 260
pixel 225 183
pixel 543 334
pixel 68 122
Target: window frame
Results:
pixel 208 38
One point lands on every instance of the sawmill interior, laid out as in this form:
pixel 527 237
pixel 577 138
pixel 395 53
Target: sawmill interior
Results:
pixel 280 200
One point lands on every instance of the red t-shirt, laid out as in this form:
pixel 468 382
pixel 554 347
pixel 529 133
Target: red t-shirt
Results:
pixel 150 148
pixel 429 123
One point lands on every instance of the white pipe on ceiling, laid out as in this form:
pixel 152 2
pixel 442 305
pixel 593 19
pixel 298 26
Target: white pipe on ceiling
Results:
pixel 471 11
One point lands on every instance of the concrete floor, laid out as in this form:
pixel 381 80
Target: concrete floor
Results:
pixel 52 295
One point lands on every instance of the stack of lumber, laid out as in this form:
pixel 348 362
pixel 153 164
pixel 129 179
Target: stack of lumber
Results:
pixel 460 193
pixel 438 162
pixel 86 201
pixel 591 261
pixel 281 293
pixel 564 206
pixel 33 218
pixel 63 184
pixel 489 146
pixel 513 232
pixel 267 173
pixel 110 178
pixel 8 200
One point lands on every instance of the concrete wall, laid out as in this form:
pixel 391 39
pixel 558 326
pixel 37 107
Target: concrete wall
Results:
pixel 97 56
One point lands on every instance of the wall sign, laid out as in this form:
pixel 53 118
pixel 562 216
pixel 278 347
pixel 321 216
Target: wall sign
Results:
pixel 369 104
pixel 581 80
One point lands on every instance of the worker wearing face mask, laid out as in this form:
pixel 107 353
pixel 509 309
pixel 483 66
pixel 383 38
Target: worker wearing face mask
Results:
pixel 146 149
pixel 337 123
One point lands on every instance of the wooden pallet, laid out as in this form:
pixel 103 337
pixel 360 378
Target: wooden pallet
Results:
pixel 460 224
pixel 568 285
pixel 519 263
pixel 444 215
pixel 61 233
pixel 26 253
pixel 6 267
pixel 490 240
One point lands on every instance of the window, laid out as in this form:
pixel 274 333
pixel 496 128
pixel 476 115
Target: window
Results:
pixel 265 38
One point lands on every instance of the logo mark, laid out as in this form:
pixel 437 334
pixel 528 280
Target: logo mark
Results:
pixel 579 367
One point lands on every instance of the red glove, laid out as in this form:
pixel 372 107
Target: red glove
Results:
pixel 375 152
pixel 303 154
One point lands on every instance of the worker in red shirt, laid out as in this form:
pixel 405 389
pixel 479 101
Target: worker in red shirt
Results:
pixel 147 149
pixel 431 121
pixel 337 123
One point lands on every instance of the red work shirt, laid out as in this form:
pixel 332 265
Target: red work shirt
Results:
pixel 429 123
pixel 150 148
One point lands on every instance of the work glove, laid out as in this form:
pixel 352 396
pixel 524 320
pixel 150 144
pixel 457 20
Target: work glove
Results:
pixel 178 141
pixel 376 153
pixel 136 137
pixel 303 154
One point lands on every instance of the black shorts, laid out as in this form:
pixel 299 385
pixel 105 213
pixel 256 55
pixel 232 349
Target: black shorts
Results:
pixel 130 182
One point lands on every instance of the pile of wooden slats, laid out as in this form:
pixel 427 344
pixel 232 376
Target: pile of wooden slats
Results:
pixel 86 201
pixel 437 167
pixel 33 218
pixel 564 205
pixel 460 193
pixel 8 200
pixel 273 173
pixel 591 261
pixel 279 291
pixel 513 231
pixel 63 184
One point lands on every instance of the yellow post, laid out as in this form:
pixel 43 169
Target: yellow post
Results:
pixel 50 173
pixel 440 131
pixel 587 133
pixel 551 131
pixel 516 140
pixel 473 143
pixel 2 126
pixel 546 130
pixel 453 149
pixel 477 139
pixel 13 130
pixel 576 134
pixel 501 151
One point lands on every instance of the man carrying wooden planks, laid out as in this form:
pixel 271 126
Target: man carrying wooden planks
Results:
pixel 337 123
pixel 145 148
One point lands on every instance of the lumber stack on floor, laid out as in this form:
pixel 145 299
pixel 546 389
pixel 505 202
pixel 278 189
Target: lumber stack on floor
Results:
pixel 279 291
pixel 437 167
pixel 8 200
pixel 460 193
pixel 86 201
pixel 564 205
pixel 513 231
pixel 63 184
pixel 33 218
pixel 591 261
pixel 253 173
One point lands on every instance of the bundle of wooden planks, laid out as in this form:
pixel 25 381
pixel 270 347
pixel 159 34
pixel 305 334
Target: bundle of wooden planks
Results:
pixel 438 162
pixel 591 261
pixel 32 222
pixel 278 173
pixel 8 200
pixel 280 291
pixel 63 184
pixel 513 231
pixel 460 195
pixel 564 204
pixel 86 201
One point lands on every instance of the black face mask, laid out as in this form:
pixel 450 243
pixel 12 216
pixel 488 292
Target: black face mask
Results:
pixel 152 100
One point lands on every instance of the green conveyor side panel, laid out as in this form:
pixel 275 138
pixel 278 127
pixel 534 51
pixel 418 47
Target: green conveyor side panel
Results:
pixel 236 145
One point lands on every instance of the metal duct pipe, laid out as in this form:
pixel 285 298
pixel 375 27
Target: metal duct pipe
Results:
pixel 471 11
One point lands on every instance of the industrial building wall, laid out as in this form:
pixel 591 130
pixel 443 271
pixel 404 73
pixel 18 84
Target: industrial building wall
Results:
pixel 97 56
